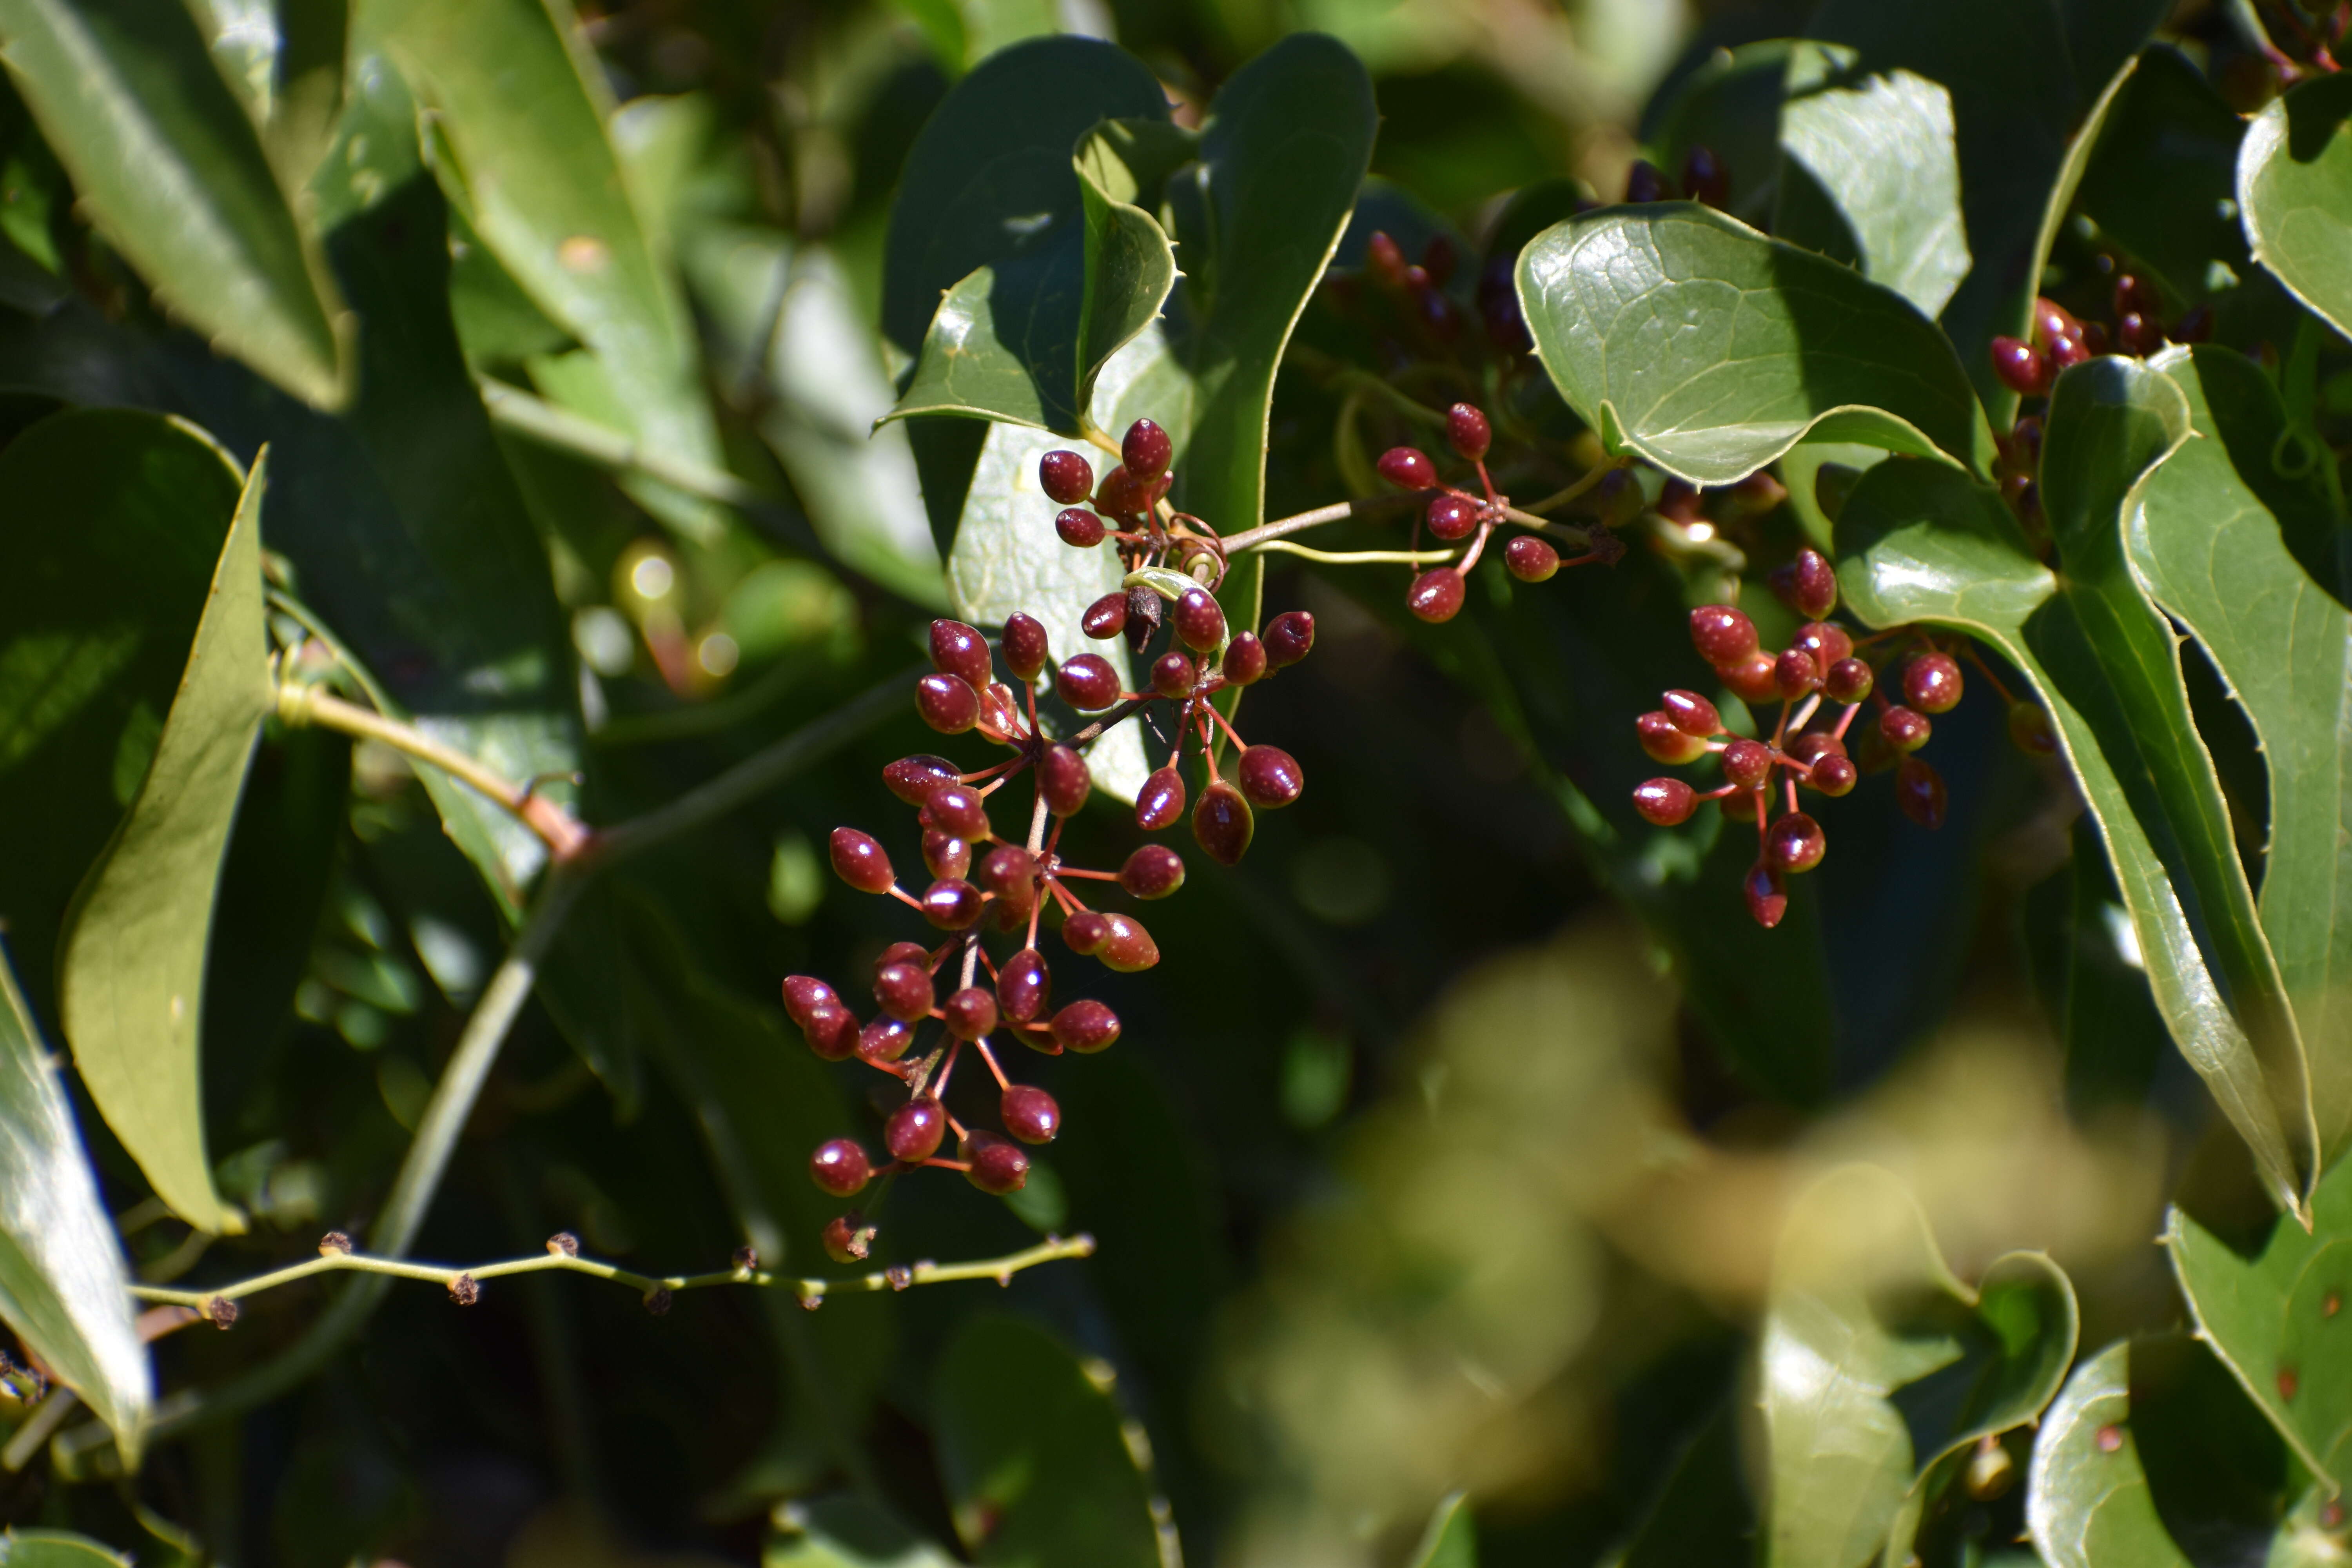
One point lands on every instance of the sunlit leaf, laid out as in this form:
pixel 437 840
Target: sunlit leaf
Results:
pixel 55 1549
pixel 2161 177
pixel 2295 192
pixel 1450 1540
pixel 2087 1500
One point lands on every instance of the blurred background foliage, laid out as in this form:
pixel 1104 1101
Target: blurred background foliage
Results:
pixel 1410 1173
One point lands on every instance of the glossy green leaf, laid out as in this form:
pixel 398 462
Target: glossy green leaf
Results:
pixel 1687 339
pixel 1869 174
pixel 1038 1471
pixel 1919 544
pixel 1875 1364
pixel 1450 1540
pixel 2227 541
pixel 2087 1500
pixel 518 110
pixel 131 971
pixel 2088 967
pixel 2161 181
pixel 1731 106
pixel 63 1287
pixel 55 1549
pixel 286 63
pixel 166 161
pixel 2295 192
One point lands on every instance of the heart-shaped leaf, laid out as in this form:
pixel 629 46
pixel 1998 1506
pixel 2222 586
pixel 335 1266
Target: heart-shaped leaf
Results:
pixel 1919 542
pixel 1687 339
pixel 2294 193
pixel 1038 1470
pixel 62 1285
pixel 2230 536
pixel 132 972
pixel 1876 1364
pixel 169 165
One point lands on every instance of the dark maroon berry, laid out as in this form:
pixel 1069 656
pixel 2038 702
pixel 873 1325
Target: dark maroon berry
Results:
pixel 1106 617
pixel 1146 449
pixel 1467 432
pixel 1451 518
pixel 1705 177
pixel 912 779
pixel 1008 871
pixel 1438 313
pixel 1068 477
pixel 1079 529
pixel 958 809
pixel 1722 635
pixel 2053 320
pixel 2067 352
pixel 1904 729
pixel 1691 713
pixel 2194 327
pixel 1023 985
pixel 883 1040
pixel 1678 503
pixel 1245 659
pixel 903 991
pixel 2139 336
pixel 1834 775
pixel 1384 260
pixel 2021 367
pixel 1752 678
pixel 1807 585
pixel 1530 560
pixel 1795 673
pixel 959 650
pixel 1172 675
pixel 1795 843
pixel 1666 741
pixel 969 1013
pixel 1919 791
pixel 1290 638
pixel 1160 801
pixel 1738 806
pixel 1123 494
pixel 1849 680
pixel 1085 1027
pixel 1617 499
pixel 948 704
pixel 1435 596
pixel 1666 801
pixel 2135 294
pixel 1087 681
pixel 913 952
pixel 1270 777
pixel 840 1167
pixel 1026 646
pixel 1063 781
pixel 952 904
pixel 1746 764
pixel 1030 1114
pixel 848 1238
pixel 1086 932
pixel 1645 183
pixel 2030 729
pixel 860 862
pixel 1814 743
pixel 1199 622
pixel 1153 872
pixel 1825 642
pixel 802 994
pixel 1932 684
pixel 915 1128
pixel 1127 946
pixel 945 855
pixel 1767 895
pixel 998 1165
pixel 831 1030
pixel 1407 467
pixel 1222 823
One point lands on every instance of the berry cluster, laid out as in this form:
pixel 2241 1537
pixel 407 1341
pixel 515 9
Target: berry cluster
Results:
pixel 1824 666
pixel 2028 367
pixel 981 880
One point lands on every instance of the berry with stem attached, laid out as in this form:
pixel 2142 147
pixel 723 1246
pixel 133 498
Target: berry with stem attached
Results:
pixel 840 1167
pixel 1030 1114
pixel 1066 477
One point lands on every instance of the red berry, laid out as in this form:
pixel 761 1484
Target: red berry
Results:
pixel 1123 494
pixel 1068 477
pixel 1106 617
pixel 1644 182
pixel 1087 681
pixel 2053 320
pixel 1691 713
pixel 2030 729
pixel 848 1238
pixel 1026 646
pixel 903 991
pixel 1738 806
pixel 1666 801
pixel 912 779
pixel 1407 467
pixel 1146 449
pixel 1767 895
pixel 830 1031
pixel 969 1013
pixel 1290 638
pixel 1807 585
pixel 1746 764
pixel 948 704
pixel 1153 872
pixel 2067 352
pixel 1085 932
pixel 1127 946
pixel 1722 635
pixel 1435 595
pixel 1079 528
pixel 1826 643
pixel 2021 367
pixel 1904 729
pixel 1795 673
pixel 1795 843
pixel 1931 683
pixel 958 809
pixel 1245 659
pixel 1270 777
pixel 1172 675
pixel 1678 503
pixel 952 904
pixel 1200 624
pixel 860 862
pixel 840 1167
pixel 1752 678
pixel 1834 775
pixel 1222 823
pixel 883 1040
pixel 913 952
pixel 1919 791
pixel 945 855
pixel 1849 680
pixel 1467 432
pixel 1030 1114
pixel 1062 779
pixel 998 1166
pixel 1813 744
pixel 1530 560
pixel 1008 871
pixel 960 649
pixel 1085 1027
pixel 1160 801
pixel 1706 178
pixel 915 1128
pixel 1022 984
pixel 1665 742
pixel 2135 293
pixel 2139 336
pixel 802 994
pixel 1385 261
pixel 1451 518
